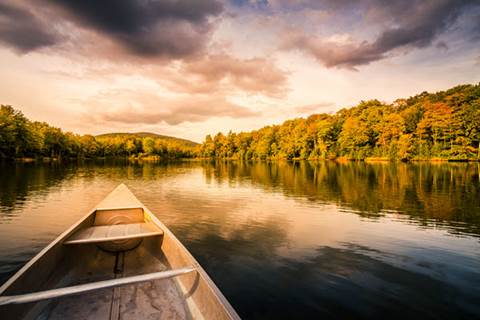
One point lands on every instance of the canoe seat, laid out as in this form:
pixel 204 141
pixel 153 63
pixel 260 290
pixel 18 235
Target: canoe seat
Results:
pixel 114 232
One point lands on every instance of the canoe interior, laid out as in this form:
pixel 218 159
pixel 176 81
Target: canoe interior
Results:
pixel 151 300
pixel 189 296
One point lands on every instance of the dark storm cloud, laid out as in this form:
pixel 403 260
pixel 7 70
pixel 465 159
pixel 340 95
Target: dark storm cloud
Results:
pixel 173 28
pixel 21 30
pixel 404 25
pixel 168 28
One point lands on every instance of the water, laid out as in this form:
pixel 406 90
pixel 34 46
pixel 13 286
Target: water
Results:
pixel 284 240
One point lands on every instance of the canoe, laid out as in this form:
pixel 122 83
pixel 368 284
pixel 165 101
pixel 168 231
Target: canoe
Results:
pixel 117 262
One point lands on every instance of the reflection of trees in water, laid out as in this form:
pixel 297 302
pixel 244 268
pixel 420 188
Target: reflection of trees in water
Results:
pixel 19 182
pixel 444 191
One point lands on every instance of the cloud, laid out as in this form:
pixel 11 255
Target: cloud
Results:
pixel 141 107
pixel 441 45
pixel 402 27
pixel 227 74
pixel 170 28
pixel 216 73
pixel 332 54
pixel 22 31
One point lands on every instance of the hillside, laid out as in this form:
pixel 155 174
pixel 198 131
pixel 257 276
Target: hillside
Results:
pixel 141 135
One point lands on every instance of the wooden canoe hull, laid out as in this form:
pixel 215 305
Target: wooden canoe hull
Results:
pixel 190 296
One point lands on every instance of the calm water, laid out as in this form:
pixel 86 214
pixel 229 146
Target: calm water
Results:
pixel 284 240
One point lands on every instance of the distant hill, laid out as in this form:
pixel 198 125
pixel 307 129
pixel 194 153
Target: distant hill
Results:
pixel 145 135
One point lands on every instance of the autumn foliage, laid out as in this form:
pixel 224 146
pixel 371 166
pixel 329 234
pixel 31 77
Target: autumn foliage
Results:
pixel 442 125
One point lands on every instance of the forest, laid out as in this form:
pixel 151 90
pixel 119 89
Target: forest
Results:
pixel 21 138
pixel 429 126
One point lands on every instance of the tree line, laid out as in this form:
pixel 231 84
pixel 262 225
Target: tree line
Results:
pixel 22 138
pixel 443 125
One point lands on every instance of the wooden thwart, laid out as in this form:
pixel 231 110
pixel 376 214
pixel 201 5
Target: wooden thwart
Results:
pixel 67 291
pixel 114 232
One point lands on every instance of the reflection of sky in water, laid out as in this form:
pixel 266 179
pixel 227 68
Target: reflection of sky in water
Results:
pixel 274 252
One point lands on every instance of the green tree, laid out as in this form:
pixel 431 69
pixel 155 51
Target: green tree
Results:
pixel 148 145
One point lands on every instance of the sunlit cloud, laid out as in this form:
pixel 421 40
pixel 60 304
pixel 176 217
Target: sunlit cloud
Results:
pixel 137 107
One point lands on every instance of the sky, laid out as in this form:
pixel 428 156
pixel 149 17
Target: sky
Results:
pixel 188 68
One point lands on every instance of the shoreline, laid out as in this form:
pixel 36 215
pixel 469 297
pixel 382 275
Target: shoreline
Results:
pixel 160 159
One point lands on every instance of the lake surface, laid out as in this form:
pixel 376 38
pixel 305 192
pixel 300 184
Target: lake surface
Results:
pixel 284 240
